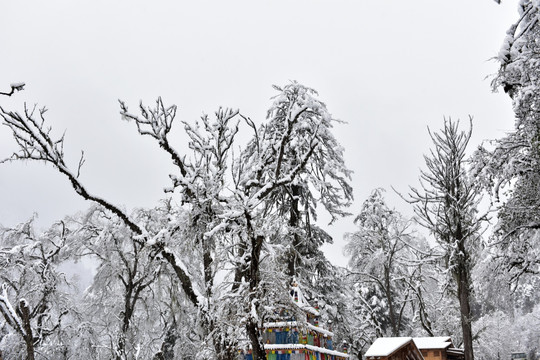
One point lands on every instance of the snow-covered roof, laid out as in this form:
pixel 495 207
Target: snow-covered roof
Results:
pixel 302 302
pixel 282 324
pixel 387 345
pixel 304 346
pixel 435 342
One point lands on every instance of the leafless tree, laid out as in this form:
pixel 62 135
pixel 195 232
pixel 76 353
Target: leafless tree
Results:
pixel 446 205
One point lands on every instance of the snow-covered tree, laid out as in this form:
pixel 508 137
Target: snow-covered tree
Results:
pixel 379 264
pixel 499 334
pixel 34 293
pixel 509 316
pixel 121 302
pixel 509 167
pixel 302 124
pixel 228 226
pixel 395 277
pixel 296 154
pixel 446 205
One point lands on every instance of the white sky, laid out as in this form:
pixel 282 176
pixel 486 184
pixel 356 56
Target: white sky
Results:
pixel 390 68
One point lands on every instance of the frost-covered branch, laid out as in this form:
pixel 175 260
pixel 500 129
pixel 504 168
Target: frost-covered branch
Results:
pixel 291 120
pixel 289 177
pixel 7 310
pixel 14 87
pixel 182 273
pixel 36 143
pixel 156 123
pixel 19 319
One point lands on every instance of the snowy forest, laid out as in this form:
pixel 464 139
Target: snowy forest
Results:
pixel 197 275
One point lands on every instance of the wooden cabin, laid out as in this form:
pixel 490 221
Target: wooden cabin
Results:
pixel 438 348
pixel 393 348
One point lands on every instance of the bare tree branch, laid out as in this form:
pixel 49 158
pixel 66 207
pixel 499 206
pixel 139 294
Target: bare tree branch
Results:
pixel 14 87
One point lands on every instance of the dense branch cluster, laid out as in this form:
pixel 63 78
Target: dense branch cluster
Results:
pixel 221 228
pixel 509 167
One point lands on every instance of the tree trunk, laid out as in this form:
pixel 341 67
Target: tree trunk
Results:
pixel 167 347
pixel 257 350
pixel 463 285
pixel 465 309
pixel 389 298
pixel 294 220
pixel 28 336
pixel 252 325
pixel 424 320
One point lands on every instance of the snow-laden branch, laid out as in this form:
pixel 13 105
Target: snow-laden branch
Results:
pixel 181 270
pixel 292 118
pixel 36 143
pixel 9 313
pixel 156 123
pixel 14 87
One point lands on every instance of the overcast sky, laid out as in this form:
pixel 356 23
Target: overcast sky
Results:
pixel 388 68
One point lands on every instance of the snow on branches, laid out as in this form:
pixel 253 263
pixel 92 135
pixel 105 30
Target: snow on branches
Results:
pixel 509 167
pixel 230 221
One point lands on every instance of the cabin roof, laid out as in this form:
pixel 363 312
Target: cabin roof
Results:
pixel 435 342
pixel 387 345
pixel 455 351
